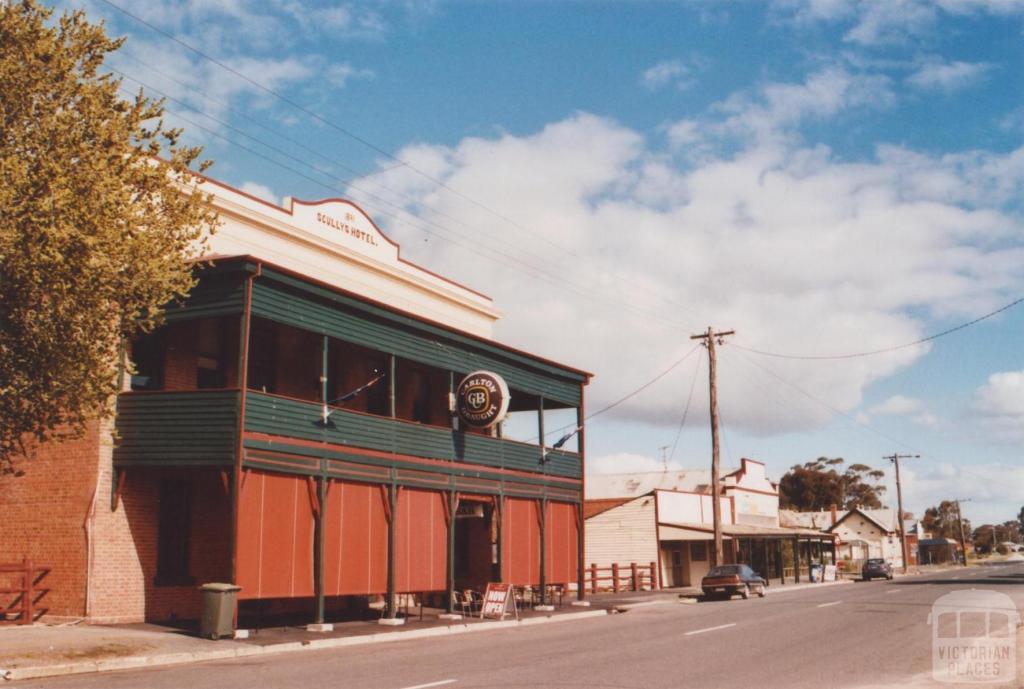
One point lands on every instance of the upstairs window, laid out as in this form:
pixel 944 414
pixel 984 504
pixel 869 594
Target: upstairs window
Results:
pixel 263 357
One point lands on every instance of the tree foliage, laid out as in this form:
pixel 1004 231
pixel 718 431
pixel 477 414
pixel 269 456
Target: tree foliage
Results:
pixel 99 213
pixel 942 521
pixel 821 483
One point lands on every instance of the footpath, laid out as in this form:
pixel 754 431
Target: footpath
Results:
pixel 42 650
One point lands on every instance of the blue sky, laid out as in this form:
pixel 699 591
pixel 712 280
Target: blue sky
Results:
pixel 825 177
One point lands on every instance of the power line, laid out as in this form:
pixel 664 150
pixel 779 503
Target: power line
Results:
pixel 632 394
pixel 361 140
pixel 686 409
pixel 825 404
pixel 527 268
pixel 885 350
pixel 342 130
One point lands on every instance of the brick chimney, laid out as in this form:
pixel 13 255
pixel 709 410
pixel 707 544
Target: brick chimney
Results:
pixel 835 513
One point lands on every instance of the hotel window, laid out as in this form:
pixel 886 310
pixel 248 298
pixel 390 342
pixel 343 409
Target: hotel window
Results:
pixel 351 368
pixel 173 529
pixel 699 551
pixel 210 354
pixel 262 357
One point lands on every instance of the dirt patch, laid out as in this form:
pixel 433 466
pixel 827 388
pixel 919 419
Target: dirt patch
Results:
pixel 53 655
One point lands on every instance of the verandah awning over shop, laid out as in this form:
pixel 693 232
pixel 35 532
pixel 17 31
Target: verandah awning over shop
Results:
pixel 700 532
pixel 670 532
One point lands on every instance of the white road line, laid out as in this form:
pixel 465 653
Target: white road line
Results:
pixel 432 684
pixel 825 605
pixel 895 591
pixel 709 629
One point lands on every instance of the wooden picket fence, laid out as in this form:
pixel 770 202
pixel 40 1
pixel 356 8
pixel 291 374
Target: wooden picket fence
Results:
pixel 617 577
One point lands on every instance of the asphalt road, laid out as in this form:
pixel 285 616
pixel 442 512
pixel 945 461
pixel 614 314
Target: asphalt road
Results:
pixel 854 635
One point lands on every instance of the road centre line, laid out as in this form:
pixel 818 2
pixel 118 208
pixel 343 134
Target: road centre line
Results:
pixel 894 591
pixel 825 605
pixel 432 684
pixel 710 629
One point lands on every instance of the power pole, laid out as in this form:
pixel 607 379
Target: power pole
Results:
pixel 960 521
pixel 895 459
pixel 664 458
pixel 709 338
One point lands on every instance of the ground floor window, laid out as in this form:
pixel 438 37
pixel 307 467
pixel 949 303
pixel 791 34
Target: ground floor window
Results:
pixel 174 529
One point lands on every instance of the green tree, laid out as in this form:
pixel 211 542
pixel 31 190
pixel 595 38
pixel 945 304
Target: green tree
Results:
pixel 99 213
pixel 942 522
pixel 818 484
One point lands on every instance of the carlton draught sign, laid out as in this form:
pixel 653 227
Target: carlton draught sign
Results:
pixel 482 399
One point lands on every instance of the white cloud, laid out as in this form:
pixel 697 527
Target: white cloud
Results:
pixel 668 72
pixel 625 462
pixel 627 254
pixel 340 74
pixel 999 404
pixel 260 191
pixel 778 107
pixel 994 490
pixel 937 74
pixel 898 405
pixel 873 22
pixel 912 408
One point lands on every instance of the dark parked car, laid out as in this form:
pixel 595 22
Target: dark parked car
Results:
pixel 875 567
pixel 732 579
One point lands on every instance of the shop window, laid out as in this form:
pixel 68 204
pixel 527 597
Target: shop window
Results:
pixel 210 364
pixel 699 551
pixel 173 530
pixel 147 356
pixel 262 357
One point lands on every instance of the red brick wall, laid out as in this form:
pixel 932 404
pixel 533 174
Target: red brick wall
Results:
pixel 180 359
pixel 43 515
pixel 124 588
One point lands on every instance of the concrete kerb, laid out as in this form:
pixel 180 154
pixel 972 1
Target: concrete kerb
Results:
pixel 244 651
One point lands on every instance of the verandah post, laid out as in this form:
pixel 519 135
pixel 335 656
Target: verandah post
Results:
pixel 389 604
pixel 453 505
pixel 318 548
pixel 543 547
pixel 796 560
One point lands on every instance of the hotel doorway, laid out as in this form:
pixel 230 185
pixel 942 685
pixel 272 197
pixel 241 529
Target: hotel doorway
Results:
pixel 475 544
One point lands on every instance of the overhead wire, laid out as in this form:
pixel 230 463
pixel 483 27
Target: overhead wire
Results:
pixel 626 397
pixel 523 266
pixel 825 404
pixel 355 137
pixel 885 350
pixel 328 123
pixel 686 409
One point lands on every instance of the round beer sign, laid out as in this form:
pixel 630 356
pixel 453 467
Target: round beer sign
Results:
pixel 482 399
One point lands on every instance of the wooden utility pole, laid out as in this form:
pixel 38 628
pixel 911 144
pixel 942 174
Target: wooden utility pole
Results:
pixel 710 338
pixel 895 459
